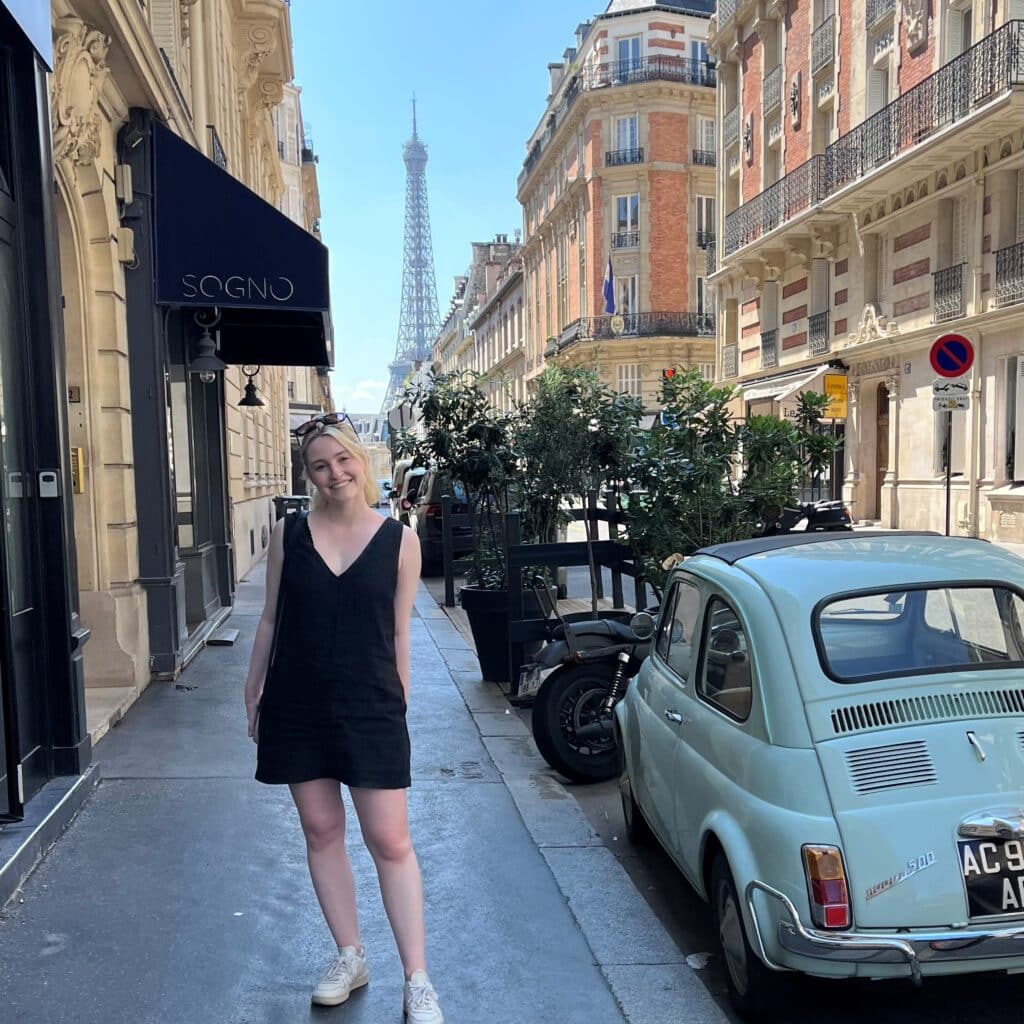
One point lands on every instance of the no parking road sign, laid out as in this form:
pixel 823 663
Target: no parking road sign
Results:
pixel 952 355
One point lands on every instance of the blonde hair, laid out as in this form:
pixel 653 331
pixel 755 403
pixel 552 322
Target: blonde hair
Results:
pixel 347 438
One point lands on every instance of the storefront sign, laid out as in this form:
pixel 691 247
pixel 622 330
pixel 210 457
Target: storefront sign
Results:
pixel 882 365
pixel 33 17
pixel 836 387
pixel 253 291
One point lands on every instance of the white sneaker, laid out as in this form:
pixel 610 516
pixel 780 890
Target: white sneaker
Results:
pixel 420 1005
pixel 347 971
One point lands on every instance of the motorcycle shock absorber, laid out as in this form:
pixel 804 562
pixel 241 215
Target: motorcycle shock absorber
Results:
pixel 616 687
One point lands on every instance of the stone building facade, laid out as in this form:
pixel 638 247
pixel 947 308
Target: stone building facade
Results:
pixel 212 72
pixel 620 177
pixel 872 199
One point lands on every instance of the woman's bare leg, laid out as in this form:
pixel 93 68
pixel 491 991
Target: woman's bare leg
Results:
pixel 322 814
pixel 384 820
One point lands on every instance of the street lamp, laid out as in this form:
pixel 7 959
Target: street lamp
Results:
pixel 251 399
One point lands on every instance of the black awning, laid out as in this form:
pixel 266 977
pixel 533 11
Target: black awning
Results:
pixel 218 244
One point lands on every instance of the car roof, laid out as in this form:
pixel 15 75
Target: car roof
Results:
pixel 815 566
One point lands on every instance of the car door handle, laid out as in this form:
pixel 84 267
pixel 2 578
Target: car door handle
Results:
pixel 674 716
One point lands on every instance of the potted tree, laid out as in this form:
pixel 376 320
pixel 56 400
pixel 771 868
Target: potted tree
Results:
pixel 468 442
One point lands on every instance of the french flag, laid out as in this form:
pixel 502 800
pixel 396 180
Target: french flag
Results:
pixel 609 289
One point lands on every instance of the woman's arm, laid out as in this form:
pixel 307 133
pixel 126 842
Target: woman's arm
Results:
pixel 260 661
pixel 405 594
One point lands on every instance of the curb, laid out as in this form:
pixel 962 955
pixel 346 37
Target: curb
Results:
pixel 24 844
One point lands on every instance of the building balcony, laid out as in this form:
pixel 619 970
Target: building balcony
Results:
pixel 658 68
pixel 730 361
pixel 726 11
pixel 1009 286
pixel 817 334
pixel 769 348
pixel 771 90
pixel 731 127
pixel 704 157
pixel 619 157
pixel 823 44
pixel 625 239
pixel 633 325
pixel 964 105
pixel 949 293
pixel 877 10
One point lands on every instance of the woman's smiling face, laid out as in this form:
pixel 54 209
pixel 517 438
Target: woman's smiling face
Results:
pixel 334 471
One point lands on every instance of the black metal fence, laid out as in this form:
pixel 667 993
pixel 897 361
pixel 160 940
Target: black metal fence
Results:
pixel 817 334
pixel 619 157
pixel 949 293
pixel 704 157
pixel 770 347
pixel 1009 287
pixel 625 239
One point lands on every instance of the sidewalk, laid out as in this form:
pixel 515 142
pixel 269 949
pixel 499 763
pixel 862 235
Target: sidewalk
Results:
pixel 180 893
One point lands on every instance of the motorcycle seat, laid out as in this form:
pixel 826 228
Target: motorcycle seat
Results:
pixel 606 629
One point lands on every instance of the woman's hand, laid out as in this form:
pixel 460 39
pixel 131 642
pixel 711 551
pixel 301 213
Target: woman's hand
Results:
pixel 252 710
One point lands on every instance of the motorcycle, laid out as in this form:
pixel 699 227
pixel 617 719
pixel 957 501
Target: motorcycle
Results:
pixel 810 517
pixel 593 662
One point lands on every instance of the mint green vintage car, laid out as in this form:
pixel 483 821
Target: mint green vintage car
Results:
pixel 828 740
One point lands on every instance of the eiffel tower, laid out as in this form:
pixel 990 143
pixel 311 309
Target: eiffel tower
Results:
pixel 419 322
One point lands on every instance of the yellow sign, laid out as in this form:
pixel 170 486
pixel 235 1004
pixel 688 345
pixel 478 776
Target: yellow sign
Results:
pixel 835 386
pixel 78 470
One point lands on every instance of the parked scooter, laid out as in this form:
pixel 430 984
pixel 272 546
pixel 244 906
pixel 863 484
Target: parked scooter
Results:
pixel 810 517
pixel 572 711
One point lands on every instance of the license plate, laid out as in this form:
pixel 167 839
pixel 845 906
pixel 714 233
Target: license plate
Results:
pixel 529 681
pixel 993 872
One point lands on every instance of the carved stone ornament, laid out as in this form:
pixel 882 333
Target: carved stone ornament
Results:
pixel 80 71
pixel 794 100
pixel 892 387
pixel 257 43
pixel 873 326
pixel 748 138
pixel 853 392
pixel 186 18
pixel 915 17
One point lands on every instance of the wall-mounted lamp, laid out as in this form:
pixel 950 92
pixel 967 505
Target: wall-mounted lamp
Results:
pixel 207 363
pixel 250 399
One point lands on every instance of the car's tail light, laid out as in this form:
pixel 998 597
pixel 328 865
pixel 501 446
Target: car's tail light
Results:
pixel 826 886
pixel 432 511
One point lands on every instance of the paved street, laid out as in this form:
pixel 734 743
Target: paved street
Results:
pixel 180 893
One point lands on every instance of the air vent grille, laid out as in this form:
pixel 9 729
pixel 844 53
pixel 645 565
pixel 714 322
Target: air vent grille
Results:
pixel 874 769
pixel 933 707
pixel 1020 736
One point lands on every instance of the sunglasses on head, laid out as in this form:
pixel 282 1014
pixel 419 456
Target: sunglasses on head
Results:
pixel 328 419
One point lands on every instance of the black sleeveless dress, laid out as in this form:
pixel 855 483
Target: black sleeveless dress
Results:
pixel 333 706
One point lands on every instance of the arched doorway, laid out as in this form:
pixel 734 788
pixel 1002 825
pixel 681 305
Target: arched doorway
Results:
pixel 881 445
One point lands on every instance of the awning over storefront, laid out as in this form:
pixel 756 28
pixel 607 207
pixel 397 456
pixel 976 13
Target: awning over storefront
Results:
pixel 33 17
pixel 775 388
pixel 219 245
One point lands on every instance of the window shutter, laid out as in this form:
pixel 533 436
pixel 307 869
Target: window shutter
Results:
pixel 819 286
pixel 164 24
pixel 878 88
pixel 708 132
pixel 770 306
pixel 1020 202
pixel 954 33
pixel 1018 427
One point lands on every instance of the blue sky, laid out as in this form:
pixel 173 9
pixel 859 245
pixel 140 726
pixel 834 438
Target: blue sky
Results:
pixel 479 71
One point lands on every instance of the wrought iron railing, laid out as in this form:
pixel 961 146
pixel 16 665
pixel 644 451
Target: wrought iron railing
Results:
pixel 638 325
pixel 964 85
pixel 711 257
pixel 817 334
pixel 730 361
pixel 705 238
pixel 878 9
pixel 618 157
pixel 625 239
pixel 1010 275
pixel 726 11
pixel 657 68
pixel 704 157
pixel 770 347
pixel 731 126
pixel 949 293
pixel 823 43
pixel 771 90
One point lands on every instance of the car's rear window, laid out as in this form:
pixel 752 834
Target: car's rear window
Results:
pixel 920 630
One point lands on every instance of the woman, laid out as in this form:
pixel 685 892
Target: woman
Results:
pixel 333 648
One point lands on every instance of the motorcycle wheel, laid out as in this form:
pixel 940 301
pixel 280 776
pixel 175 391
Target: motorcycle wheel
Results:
pixel 569 698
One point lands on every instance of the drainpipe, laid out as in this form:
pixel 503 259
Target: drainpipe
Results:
pixel 970 521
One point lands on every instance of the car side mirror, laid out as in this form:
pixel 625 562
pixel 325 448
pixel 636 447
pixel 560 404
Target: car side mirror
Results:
pixel 642 624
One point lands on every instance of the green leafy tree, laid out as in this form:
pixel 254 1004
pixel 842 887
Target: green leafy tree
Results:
pixel 469 443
